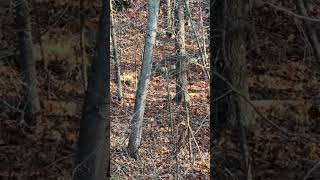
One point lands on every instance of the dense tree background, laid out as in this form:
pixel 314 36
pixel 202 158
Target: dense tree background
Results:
pixel 283 80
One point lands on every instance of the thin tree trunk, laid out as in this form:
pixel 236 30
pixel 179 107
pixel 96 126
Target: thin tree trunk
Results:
pixel 93 153
pixel 27 61
pixel 83 54
pixel 181 63
pixel 187 17
pixel 116 57
pixel 139 106
pixel 169 19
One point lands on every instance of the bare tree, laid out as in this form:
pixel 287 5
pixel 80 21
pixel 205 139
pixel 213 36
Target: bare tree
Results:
pixel 82 47
pixel 181 63
pixel 230 37
pixel 141 93
pixel 92 155
pixel 29 74
pixel 116 56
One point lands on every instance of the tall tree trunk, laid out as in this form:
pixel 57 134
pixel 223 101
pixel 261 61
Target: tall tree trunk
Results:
pixel 237 27
pixel 92 155
pixel 27 61
pixel 239 111
pixel 230 24
pixel 139 105
pixel 82 47
pixel 219 100
pixel 116 57
pixel 181 63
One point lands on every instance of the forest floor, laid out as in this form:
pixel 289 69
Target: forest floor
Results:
pixel 284 86
pixel 156 153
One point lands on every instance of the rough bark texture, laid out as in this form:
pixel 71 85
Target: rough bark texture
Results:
pixel 181 65
pixel 230 32
pixel 237 28
pixel 169 16
pixel 83 54
pixel 29 75
pixel 93 152
pixel 139 105
pixel 240 114
pixel 116 57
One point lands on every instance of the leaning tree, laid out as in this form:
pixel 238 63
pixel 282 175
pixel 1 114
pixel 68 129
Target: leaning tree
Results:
pixel 144 78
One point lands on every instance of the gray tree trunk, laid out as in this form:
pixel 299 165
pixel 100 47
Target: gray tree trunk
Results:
pixel 83 54
pixel 187 17
pixel 169 18
pixel 93 153
pixel 139 105
pixel 240 114
pixel 116 57
pixel 236 39
pixel 27 61
pixel 181 64
pixel 229 58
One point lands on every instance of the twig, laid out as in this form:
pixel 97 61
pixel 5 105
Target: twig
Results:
pixel 291 13
pixel 259 113
pixel 311 170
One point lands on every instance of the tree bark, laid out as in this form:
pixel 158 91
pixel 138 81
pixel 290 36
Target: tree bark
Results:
pixel 29 75
pixel 240 114
pixel 187 17
pixel 230 34
pixel 93 152
pixel 237 29
pixel 139 106
pixel 181 63
pixel 83 54
pixel 116 57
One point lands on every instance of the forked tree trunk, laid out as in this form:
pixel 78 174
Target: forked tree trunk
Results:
pixel 93 153
pixel 116 57
pixel 181 64
pixel 140 99
pixel 29 75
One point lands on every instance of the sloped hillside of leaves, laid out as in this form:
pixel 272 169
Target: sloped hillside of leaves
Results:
pixel 284 87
